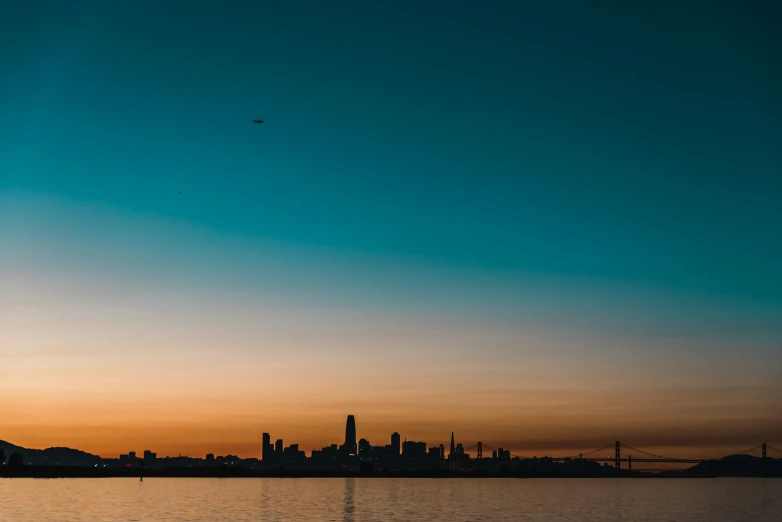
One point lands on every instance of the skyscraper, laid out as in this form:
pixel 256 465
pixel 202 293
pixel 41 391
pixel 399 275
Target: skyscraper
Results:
pixel 278 447
pixel 396 443
pixel 452 455
pixel 350 436
pixel 266 447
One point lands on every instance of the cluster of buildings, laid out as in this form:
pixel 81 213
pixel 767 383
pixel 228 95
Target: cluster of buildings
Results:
pixel 150 460
pixel 362 455
pixel 355 455
pixel 351 455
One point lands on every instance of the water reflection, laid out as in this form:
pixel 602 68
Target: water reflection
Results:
pixel 264 500
pixel 349 500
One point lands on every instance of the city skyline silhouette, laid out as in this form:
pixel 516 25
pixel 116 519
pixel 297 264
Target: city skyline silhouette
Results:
pixel 396 458
pixel 273 450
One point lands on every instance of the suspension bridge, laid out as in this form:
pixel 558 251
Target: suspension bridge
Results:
pixel 639 456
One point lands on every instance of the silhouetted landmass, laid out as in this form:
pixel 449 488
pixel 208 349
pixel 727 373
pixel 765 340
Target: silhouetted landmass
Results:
pixel 733 466
pixel 51 456
pixel 15 462
pixel 241 472
pixel 737 466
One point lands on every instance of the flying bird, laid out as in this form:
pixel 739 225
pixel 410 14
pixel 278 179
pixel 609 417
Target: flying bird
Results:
pixel 179 192
pixel 257 121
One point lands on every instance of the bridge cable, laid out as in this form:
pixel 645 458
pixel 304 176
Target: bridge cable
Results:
pixel 589 453
pixel 647 453
pixel 599 450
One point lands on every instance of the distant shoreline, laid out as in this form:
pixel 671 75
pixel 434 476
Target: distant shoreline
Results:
pixel 53 472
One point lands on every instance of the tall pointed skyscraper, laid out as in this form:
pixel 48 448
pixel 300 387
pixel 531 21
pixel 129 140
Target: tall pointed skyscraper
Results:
pixel 452 455
pixel 350 436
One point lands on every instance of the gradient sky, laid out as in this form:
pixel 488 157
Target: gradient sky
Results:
pixel 546 227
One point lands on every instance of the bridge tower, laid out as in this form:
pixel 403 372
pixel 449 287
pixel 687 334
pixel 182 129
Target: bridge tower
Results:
pixel 480 450
pixel 617 456
pixel 764 450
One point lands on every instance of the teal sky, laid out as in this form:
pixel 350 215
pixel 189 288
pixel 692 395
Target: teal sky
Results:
pixel 608 172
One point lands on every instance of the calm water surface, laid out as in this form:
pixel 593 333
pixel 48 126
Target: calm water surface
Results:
pixel 707 500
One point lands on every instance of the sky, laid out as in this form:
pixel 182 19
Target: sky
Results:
pixel 546 226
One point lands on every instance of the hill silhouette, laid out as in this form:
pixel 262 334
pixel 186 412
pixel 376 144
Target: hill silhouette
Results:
pixel 56 456
pixel 738 466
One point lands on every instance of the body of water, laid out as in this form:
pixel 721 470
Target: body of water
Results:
pixel 300 500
